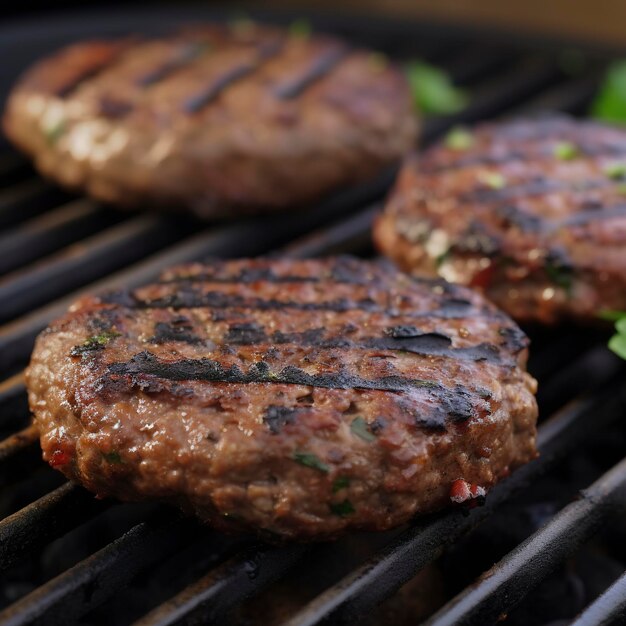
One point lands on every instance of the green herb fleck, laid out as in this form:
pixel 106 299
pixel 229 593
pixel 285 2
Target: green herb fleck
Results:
pixel 433 90
pixel 361 429
pixel 495 180
pixel 566 151
pixel 309 459
pixel 617 343
pixel 610 103
pixel 343 509
pixel 342 482
pixel 97 342
pixel 300 28
pixel 616 171
pixel 378 61
pixel 560 276
pixel 112 457
pixel 442 258
pixel 459 138
pixel 54 132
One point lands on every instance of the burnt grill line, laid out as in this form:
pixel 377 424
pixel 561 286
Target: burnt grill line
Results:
pixel 197 102
pixel 318 69
pixel 181 60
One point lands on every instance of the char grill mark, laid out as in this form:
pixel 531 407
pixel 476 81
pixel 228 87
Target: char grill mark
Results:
pixel 189 299
pixel 179 329
pixel 425 344
pixel 179 61
pixel 277 417
pixel 212 91
pixel 319 67
pixel 147 372
pixel 99 66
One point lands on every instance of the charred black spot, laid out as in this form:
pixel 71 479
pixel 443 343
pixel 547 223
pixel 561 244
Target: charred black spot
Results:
pixel 476 239
pixel 526 222
pixel 378 424
pixel 113 108
pixel 175 330
pixel 246 334
pixel 401 332
pixel 515 338
pixel 277 417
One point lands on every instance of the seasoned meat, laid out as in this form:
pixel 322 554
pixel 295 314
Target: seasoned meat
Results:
pixel 216 120
pixel 533 212
pixel 300 398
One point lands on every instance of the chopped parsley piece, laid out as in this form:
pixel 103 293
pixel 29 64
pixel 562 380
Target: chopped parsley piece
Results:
pixel 361 429
pixel 433 90
pixel 342 509
pixel 112 457
pixel 610 103
pixel 309 459
pixel 560 275
pixel 566 151
pixel 97 342
pixel 459 138
pixel 342 482
pixel 378 61
pixel 495 180
pixel 300 28
pixel 440 259
pixel 616 171
pixel 617 343
pixel 54 132
pixel 621 189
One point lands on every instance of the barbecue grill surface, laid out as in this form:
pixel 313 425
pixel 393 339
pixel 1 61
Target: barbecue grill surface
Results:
pixel 68 558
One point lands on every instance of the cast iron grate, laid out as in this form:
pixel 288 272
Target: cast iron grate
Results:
pixel 67 558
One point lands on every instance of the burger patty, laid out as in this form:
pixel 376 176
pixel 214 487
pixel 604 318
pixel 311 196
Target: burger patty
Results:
pixel 299 398
pixel 216 120
pixel 533 212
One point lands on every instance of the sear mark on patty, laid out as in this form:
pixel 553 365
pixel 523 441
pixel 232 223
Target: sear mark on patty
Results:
pixel 277 417
pixel 178 329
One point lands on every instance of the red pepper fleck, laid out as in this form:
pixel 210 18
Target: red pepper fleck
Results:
pixel 483 278
pixel 60 457
pixel 462 491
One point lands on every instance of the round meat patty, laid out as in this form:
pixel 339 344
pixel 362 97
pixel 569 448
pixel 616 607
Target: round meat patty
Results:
pixel 300 398
pixel 533 212
pixel 218 120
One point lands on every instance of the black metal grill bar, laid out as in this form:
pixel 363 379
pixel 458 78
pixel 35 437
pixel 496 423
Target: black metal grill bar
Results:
pixel 17 443
pixel 89 259
pixel 423 542
pixel 207 600
pixel 13 401
pixel 609 609
pixel 52 230
pixel 49 517
pixel 28 199
pixel 505 584
pixel 89 583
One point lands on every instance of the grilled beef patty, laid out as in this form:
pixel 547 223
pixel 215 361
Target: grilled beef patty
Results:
pixel 301 398
pixel 217 120
pixel 533 212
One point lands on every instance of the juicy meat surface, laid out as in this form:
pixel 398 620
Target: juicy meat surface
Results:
pixel 299 398
pixel 216 120
pixel 533 212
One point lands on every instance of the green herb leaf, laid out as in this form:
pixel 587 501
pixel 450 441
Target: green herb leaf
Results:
pixel 433 91
pixel 97 342
pixel 343 509
pixel 361 429
pixel 616 171
pixel 309 459
pixel 459 138
pixel 300 28
pixel 342 482
pixel 610 103
pixel 617 343
pixel 54 132
pixel 560 276
pixel 620 326
pixel 442 258
pixel 495 180
pixel 611 316
pixel 112 457
pixel 566 151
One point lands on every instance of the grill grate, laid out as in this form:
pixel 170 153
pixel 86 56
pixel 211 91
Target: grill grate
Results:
pixel 54 247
